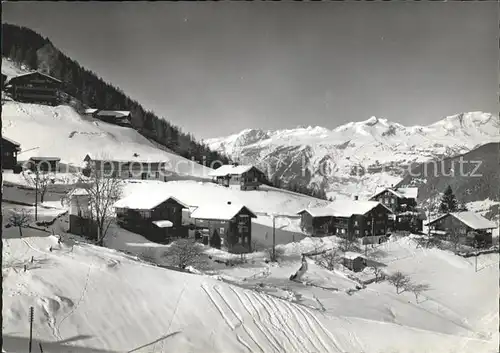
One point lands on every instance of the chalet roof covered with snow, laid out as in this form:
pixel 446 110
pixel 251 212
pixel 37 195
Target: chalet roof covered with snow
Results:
pixel 124 157
pixel 78 192
pixel 115 113
pixel 13 79
pixel 163 224
pixel 145 201
pixel 221 211
pixel 408 193
pixel 36 159
pixel 351 255
pixel 230 170
pixel 343 208
pixel 15 143
pixel 90 110
pixel 469 218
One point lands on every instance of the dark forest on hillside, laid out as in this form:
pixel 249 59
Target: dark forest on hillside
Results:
pixel 24 46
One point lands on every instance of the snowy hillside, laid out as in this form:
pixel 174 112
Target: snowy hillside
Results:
pixel 95 299
pixel 357 157
pixel 61 132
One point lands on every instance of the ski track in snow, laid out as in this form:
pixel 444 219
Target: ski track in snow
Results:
pixel 295 328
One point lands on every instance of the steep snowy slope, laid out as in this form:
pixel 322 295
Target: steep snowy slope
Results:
pixel 61 132
pixel 358 156
pixel 94 299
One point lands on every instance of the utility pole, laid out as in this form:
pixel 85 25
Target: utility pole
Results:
pixel 274 238
pixel 31 327
pixel 36 195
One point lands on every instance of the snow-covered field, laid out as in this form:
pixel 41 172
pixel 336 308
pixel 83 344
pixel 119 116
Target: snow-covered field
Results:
pixel 98 298
pixel 61 132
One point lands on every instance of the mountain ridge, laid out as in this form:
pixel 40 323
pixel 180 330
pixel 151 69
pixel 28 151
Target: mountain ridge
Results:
pixel 357 156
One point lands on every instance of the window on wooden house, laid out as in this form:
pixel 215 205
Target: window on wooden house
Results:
pixel 393 201
pixel 356 223
pixel 145 214
pixel 356 231
pixel 157 175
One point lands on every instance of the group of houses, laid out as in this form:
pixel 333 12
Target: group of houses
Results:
pixel 40 88
pixel 10 150
pixel 162 218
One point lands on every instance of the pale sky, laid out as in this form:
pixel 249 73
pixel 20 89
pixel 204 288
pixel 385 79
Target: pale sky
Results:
pixel 215 68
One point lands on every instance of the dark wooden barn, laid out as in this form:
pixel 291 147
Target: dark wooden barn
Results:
pixel 247 177
pixel 347 218
pixel 10 149
pixel 35 87
pixel 468 227
pixel 225 225
pixel 157 217
pixel 44 164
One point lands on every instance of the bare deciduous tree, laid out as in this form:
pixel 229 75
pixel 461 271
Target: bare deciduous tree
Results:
pixel 40 181
pixel 329 259
pixel 417 289
pixel 399 280
pixel 276 255
pixel 103 192
pixel 377 271
pixel 348 243
pixel 20 219
pixel 183 253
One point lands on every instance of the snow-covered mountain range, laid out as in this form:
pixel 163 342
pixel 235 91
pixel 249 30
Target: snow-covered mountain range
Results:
pixel 357 157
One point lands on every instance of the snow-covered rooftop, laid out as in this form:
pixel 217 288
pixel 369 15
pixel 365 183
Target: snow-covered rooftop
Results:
pixel 409 193
pixel 11 141
pixel 351 255
pixel 343 208
pixel 115 113
pixel 90 110
pixel 78 192
pixel 474 220
pixel 230 170
pixel 35 72
pixel 145 201
pixel 163 224
pixel 224 212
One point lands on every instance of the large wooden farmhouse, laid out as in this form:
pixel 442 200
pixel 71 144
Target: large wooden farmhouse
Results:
pixel 347 218
pixel 158 217
pixel 403 203
pixel 228 225
pixel 10 149
pixel 132 168
pixel 246 176
pixel 35 87
pixel 469 227
pixel 117 117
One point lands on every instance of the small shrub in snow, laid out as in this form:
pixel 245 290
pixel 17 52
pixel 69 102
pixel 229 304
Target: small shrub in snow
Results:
pixel 329 259
pixel 20 219
pixel 399 280
pixel 276 255
pixel 377 271
pixel 417 289
pixel 183 253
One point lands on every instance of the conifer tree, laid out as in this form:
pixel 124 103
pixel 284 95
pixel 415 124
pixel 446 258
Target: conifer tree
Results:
pixel 449 202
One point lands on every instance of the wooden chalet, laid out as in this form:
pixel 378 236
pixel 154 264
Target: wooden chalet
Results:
pixel 246 176
pixel 131 167
pixel 471 228
pixel 403 203
pixel 44 164
pixel 368 220
pixel 4 80
pixel 353 261
pixel 158 217
pixel 10 149
pixel 80 220
pixel 117 117
pixel 35 87
pixel 225 225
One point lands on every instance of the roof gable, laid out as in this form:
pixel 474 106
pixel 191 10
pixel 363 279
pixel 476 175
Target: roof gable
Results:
pixel 470 219
pixel 344 208
pixel 141 201
pixel 223 212
pixel 34 73
pixel 228 169
pixel 7 141
pixel 401 193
